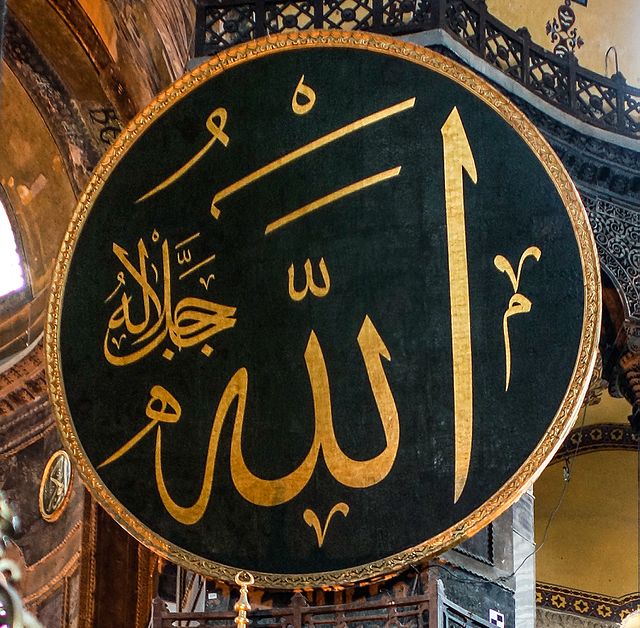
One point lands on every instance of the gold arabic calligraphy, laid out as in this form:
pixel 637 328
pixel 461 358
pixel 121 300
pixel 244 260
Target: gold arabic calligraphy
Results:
pixel 191 321
pixel 458 157
pixel 518 303
pixel 218 134
pixel 310 284
pixel 301 107
pixel 163 407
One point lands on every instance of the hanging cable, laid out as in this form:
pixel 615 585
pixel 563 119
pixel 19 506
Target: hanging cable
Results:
pixel 566 473
pixel 615 58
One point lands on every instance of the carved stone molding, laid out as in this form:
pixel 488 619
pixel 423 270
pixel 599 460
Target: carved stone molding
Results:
pixel 600 167
pixel 617 233
pixel 45 577
pixel 632 332
pixel 29 426
pixel 597 437
pixel 23 383
pixel 29 369
pixel 552 619
pixel 630 373
pixel 25 411
pixel 560 606
pixel 597 385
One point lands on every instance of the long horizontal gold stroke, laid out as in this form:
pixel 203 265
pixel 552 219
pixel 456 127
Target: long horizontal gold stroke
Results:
pixel 308 148
pixel 329 198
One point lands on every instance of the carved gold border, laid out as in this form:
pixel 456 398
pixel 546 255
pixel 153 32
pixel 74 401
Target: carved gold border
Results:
pixel 55 515
pixel 545 449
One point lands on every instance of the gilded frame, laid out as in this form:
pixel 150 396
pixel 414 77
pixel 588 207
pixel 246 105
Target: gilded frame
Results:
pixel 544 451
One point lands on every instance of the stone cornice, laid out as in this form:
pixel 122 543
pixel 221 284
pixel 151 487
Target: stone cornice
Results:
pixel 587 606
pixel 25 411
pixel 598 437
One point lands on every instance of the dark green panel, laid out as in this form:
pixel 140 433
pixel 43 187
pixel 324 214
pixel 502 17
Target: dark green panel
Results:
pixel 385 250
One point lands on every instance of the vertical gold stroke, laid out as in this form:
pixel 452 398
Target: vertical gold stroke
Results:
pixel 458 157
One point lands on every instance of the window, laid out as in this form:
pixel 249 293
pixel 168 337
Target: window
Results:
pixel 11 272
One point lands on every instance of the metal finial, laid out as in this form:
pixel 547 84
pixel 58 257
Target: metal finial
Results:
pixel 244 579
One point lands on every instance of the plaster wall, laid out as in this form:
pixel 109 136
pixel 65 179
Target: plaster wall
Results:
pixel 591 542
pixel 600 24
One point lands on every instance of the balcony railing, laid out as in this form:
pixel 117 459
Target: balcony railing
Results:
pixel 608 103
pixel 409 612
pixel 418 611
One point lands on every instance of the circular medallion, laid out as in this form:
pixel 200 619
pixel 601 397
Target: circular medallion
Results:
pixel 54 486
pixel 325 309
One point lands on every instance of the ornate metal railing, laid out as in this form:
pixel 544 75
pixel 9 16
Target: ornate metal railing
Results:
pixel 604 102
pixel 418 611
pixel 409 612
